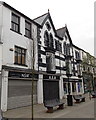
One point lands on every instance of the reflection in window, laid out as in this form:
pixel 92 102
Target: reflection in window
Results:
pixel 20 55
pixel 15 23
pixel 46 39
pixel 27 29
pixel 51 41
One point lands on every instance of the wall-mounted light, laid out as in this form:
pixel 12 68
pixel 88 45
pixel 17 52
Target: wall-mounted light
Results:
pixel 11 49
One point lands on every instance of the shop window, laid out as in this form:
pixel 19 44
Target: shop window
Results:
pixel 27 29
pixel 15 23
pixel 74 87
pixel 79 86
pixel 65 85
pixel 20 55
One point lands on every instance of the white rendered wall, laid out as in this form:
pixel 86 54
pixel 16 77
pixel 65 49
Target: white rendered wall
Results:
pixel 10 39
pixel 4 90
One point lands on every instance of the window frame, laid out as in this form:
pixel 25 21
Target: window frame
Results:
pixel 15 24
pixel 23 53
pixel 28 30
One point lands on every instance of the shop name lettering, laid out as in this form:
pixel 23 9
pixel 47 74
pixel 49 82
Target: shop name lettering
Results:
pixel 25 75
pixel 20 75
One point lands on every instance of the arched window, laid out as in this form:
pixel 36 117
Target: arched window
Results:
pixel 46 39
pixel 65 48
pixel 51 41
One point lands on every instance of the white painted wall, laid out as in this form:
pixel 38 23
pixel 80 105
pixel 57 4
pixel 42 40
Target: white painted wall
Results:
pixel 0 57
pixel 10 39
pixel 1 22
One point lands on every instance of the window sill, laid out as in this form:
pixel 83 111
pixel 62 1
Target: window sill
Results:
pixel 21 64
pixel 15 31
pixel 28 37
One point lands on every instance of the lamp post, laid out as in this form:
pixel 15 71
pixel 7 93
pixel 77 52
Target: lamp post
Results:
pixel 69 74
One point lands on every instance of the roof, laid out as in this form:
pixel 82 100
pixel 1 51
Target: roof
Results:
pixel 61 31
pixel 11 8
pixel 40 19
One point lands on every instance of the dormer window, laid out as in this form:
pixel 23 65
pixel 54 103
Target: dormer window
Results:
pixel 48 26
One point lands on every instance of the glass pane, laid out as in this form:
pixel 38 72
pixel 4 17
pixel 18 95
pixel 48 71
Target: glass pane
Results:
pixel 23 51
pixel 28 33
pixel 16 57
pixel 15 18
pixel 17 28
pixel 23 59
pixel 19 58
pixel 28 25
pixel 19 50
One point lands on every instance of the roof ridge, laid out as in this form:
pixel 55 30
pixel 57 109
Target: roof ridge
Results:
pixel 40 16
pixel 61 28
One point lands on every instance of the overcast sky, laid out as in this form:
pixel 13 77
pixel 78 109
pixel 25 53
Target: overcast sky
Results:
pixel 77 14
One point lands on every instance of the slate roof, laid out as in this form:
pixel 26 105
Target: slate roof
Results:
pixel 61 31
pixel 40 19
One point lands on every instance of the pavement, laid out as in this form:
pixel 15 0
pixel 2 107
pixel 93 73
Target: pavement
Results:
pixel 78 110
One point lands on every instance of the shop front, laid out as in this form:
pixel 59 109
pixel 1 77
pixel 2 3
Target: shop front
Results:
pixel 75 86
pixel 18 90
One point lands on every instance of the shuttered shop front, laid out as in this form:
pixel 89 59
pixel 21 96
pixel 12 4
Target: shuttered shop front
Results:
pixel 20 92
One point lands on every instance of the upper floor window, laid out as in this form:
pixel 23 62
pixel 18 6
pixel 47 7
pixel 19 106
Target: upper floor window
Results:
pixel 68 49
pixel 48 26
pixel 65 48
pixel 77 55
pixel 27 29
pixel 15 23
pixel 20 55
pixel 51 41
pixel 58 46
pixel 46 39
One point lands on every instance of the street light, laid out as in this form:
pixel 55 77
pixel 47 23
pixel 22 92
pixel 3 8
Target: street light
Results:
pixel 69 74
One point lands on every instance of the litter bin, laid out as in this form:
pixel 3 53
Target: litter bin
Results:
pixel 69 100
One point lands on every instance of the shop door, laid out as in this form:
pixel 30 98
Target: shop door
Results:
pixel 51 90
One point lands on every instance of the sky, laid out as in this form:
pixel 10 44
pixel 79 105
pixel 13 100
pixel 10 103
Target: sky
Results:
pixel 77 14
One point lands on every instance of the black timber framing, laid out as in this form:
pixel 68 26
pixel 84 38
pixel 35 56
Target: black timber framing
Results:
pixel 60 58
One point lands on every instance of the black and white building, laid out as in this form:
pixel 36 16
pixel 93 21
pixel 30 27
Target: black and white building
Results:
pixel 54 48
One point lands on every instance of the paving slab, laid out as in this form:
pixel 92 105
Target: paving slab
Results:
pixel 80 110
